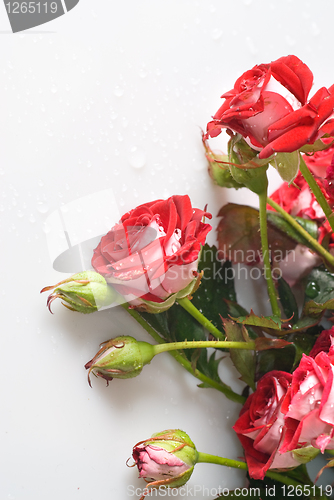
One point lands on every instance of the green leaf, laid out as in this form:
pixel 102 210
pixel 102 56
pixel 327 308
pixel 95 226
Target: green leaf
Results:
pixel 288 300
pixel 275 359
pixel 217 286
pixel 283 225
pixel 303 343
pixel 271 322
pixel 243 360
pixel 319 292
pixel 238 236
pixel 287 165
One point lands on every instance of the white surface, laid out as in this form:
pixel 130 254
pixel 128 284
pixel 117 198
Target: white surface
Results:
pixel 112 96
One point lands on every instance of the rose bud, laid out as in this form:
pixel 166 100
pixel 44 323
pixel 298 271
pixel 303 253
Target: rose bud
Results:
pixel 121 357
pixel 218 167
pixel 260 426
pixel 308 407
pixel 151 256
pixel 166 459
pixel 84 292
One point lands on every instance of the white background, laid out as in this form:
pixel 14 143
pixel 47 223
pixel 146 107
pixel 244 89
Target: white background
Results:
pixel 110 99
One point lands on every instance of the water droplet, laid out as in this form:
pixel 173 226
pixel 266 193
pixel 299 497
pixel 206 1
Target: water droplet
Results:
pixel 137 157
pixel 32 218
pixel 312 290
pixel 53 89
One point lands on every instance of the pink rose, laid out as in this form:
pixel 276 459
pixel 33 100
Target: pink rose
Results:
pixel 167 458
pixel 276 118
pixel 152 254
pixel 309 403
pixel 260 426
pixel 155 463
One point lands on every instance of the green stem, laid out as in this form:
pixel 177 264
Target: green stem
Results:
pixel 265 253
pixel 202 344
pixel 308 176
pixel 213 459
pixel 202 320
pixel 220 386
pixel 319 249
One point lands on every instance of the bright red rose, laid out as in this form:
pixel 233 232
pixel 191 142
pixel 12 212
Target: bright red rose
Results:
pixel 251 107
pixel 276 118
pixel 152 254
pixel 309 403
pixel 303 126
pixel 260 426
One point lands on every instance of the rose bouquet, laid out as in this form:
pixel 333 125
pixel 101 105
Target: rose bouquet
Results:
pixel 156 264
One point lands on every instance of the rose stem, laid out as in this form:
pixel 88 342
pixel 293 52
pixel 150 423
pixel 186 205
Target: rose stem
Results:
pixel 195 313
pixel 314 243
pixel 220 386
pixel 317 192
pixel 213 459
pixel 202 344
pixel 265 253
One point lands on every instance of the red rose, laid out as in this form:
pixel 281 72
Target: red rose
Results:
pixel 251 107
pixel 267 117
pixel 260 426
pixel 152 254
pixel 302 126
pixel 308 407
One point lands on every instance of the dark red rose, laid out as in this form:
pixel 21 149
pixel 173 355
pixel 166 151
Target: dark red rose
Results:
pixel 260 426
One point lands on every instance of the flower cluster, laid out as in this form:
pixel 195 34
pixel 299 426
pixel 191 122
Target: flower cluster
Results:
pixel 289 418
pixel 153 260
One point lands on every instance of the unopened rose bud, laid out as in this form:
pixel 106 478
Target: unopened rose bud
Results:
pixel 121 357
pixel 166 459
pixel 84 292
pixel 218 167
pixel 255 179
